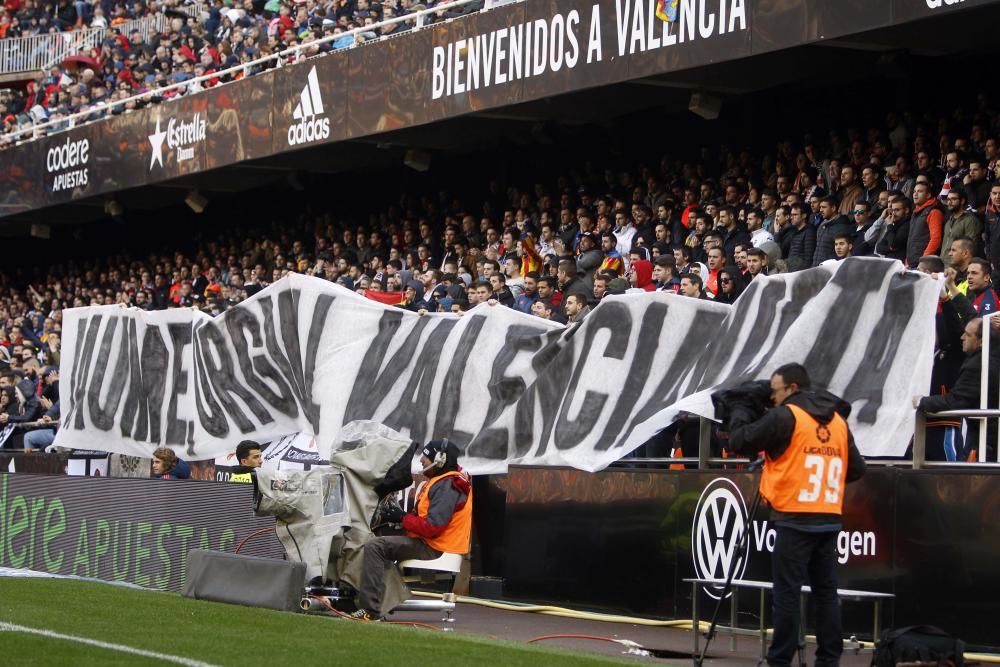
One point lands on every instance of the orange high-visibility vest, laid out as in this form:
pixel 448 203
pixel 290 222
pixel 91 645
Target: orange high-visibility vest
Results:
pixel 810 475
pixel 456 535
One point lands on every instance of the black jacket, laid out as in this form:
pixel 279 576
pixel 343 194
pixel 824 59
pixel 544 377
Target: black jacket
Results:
pixel 772 434
pixel 32 407
pixel 801 248
pixel 964 395
pixel 892 243
pixel 825 234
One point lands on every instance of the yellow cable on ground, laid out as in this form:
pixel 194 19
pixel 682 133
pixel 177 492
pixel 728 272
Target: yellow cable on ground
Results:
pixel 550 610
pixel 567 613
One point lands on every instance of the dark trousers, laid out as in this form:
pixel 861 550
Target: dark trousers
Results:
pixel 801 557
pixel 382 553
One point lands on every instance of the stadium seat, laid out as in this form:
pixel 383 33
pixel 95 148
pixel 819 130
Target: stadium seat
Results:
pixel 444 563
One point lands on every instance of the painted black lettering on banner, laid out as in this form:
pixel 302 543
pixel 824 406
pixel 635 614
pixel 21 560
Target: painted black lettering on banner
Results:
pixel 704 326
pixel 648 343
pixel 856 281
pixel 103 416
pixel 760 335
pixel 492 443
pixel 807 284
pixel 135 399
pixel 868 381
pixel 84 353
pixel 320 311
pixel 413 406
pixel 155 367
pixel 617 319
pixel 210 413
pixel 222 379
pixel 372 383
pixel 180 338
pixel 551 376
pixel 254 368
pixel 450 398
pixel 289 360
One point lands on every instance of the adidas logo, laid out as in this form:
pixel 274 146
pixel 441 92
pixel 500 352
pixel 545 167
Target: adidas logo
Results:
pixel 312 124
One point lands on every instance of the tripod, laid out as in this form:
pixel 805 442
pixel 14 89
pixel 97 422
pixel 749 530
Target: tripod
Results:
pixel 744 546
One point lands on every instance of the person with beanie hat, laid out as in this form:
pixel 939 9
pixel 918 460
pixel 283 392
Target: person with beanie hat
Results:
pixel 441 522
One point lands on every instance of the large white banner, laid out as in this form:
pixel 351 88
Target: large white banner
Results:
pixel 305 355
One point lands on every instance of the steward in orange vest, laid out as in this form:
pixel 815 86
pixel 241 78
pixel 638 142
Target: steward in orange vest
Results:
pixel 809 457
pixel 442 523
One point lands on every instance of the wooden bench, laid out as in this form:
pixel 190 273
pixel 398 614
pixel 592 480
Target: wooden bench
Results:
pixel 763 587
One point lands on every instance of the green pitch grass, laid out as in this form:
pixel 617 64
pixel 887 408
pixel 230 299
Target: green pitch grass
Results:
pixel 221 634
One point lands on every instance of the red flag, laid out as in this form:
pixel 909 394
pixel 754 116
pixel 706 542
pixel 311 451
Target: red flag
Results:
pixel 388 298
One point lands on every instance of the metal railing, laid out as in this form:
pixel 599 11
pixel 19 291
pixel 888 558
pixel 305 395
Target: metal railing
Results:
pixel 40 52
pixel 705 461
pixel 287 56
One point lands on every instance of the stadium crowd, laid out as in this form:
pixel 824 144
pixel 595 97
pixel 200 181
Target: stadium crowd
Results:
pixel 923 190
pixel 199 40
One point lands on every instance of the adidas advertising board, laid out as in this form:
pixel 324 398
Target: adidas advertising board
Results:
pixel 312 125
pixel 180 136
pixel 66 164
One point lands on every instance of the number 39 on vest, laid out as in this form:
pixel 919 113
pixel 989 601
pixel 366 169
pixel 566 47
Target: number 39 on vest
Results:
pixel 810 474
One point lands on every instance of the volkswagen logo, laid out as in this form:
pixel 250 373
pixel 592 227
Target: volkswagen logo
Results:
pixel 720 519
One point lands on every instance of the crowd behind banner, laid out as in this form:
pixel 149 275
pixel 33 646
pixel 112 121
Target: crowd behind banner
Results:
pixel 918 188
pixel 197 41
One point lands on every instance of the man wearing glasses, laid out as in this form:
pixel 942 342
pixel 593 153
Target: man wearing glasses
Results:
pixel 861 214
pixel 809 457
pixel 961 222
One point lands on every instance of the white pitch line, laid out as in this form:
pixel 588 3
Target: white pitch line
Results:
pixel 188 662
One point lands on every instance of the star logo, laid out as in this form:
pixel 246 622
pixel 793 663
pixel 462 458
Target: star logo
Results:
pixel 156 140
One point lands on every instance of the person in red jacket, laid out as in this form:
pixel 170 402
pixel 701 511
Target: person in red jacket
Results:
pixel 640 274
pixel 441 523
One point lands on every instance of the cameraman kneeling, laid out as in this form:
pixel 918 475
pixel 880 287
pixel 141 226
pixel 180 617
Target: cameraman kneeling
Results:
pixel 809 456
pixel 442 523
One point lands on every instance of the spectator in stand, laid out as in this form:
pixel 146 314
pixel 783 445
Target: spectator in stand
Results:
pixel 976 185
pixel 872 183
pixel 527 298
pixel 756 263
pixel 543 309
pixel 925 225
pixel 548 290
pixel 664 274
pixel 955 172
pixel 965 394
pixel 731 285
pixel 735 234
pixel 691 285
pixel 576 308
pixel 589 258
pixel 798 240
pixel 862 223
pixel 891 233
pixel 848 194
pixel 959 259
pixel 981 292
pixel 166 465
pixel 843 245
pixel 961 222
pixel 498 284
pixel 613 260
pixel 834 223
pixel 640 275
pixel 755 225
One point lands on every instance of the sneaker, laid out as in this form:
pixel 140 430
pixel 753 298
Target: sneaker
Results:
pixel 365 615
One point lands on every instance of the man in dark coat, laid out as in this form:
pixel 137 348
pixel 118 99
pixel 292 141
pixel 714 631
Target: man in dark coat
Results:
pixel 965 394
